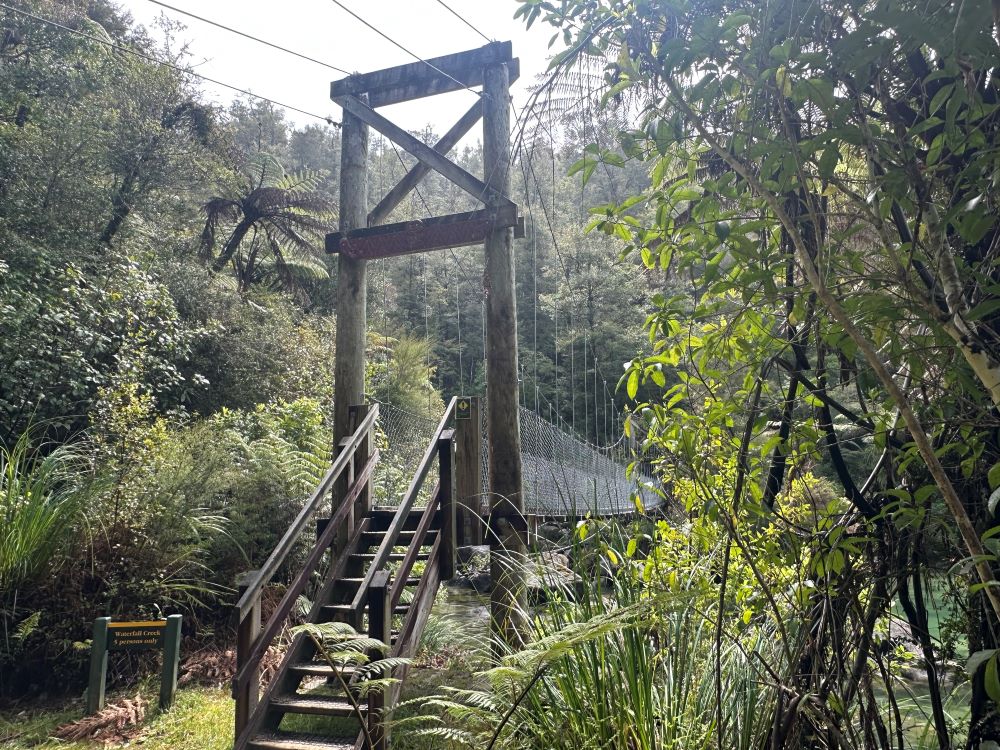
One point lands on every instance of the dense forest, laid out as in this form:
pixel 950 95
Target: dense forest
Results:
pixel 780 218
pixel 167 355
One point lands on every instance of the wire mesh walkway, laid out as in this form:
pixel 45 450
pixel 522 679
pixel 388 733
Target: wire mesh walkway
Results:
pixel 563 475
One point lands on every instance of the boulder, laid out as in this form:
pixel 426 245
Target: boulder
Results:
pixel 549 574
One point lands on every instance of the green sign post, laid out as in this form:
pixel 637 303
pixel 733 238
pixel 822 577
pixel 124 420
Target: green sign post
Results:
pixel 463 408
pixel 142 635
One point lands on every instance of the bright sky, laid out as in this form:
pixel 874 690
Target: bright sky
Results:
pixel 322 30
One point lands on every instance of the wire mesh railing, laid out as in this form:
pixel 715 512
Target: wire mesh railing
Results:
pixel 563 475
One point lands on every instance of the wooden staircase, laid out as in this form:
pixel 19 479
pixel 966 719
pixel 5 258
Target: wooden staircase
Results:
pixel 375 568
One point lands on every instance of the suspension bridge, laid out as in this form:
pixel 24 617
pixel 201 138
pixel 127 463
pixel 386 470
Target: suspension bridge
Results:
pixel 384 525
pixel 565 477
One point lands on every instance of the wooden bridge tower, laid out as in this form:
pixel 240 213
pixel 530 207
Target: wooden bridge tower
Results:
pixel 363 237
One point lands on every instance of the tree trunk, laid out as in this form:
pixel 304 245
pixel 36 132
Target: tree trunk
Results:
pixel 233 244
pixel 121 206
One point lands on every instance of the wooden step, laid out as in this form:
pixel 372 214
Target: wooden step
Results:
pixel 318 705
pixel 299 741
pixel 393 556
pixel 320 669
pixel 374 538
pixel 356 582
pixel 380 519
pixel 330 610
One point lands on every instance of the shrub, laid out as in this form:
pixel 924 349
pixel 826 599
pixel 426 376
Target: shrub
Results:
pixel 68 334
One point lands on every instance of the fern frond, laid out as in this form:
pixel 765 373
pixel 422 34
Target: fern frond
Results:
pixel 304 180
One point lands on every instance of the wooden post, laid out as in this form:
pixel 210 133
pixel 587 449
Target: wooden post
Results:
pixel 507 536
pixel 171 661
pixel 468 476
pixel 379 627
pixel 247 632
pixel 98 665
pixel 365 448
pixel 352 301
pixel 445 478
pixel 352 279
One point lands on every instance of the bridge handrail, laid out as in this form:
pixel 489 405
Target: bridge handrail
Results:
pixel 348 447
pixel 396 525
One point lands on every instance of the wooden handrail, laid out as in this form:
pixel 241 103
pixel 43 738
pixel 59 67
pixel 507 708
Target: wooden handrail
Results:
pixel 396 525
pixel 348 447
pixel 413 551
pixel 277 618
pixel 415 618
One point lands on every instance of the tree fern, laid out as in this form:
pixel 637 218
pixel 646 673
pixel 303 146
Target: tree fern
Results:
pixel 272 220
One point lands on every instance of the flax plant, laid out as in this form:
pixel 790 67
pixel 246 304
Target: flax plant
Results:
pixel 619 662
pixel 38 505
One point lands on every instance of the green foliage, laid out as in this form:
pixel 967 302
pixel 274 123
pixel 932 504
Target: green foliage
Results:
pixel 255 348
pixel 821 178
pixel 68 334
pixel 631 663
pixel 39 505
pixel 402 376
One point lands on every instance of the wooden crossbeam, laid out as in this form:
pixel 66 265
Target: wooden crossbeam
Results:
pixel 429 156
pixel 438 75
pixel 435 233
pixel 432 86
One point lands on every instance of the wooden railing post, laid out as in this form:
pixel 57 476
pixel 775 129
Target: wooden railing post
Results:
pixel 468 473
pixel 247 632
pixel 361 456
pixel 356 415
pixel 379 627
pixel 446 445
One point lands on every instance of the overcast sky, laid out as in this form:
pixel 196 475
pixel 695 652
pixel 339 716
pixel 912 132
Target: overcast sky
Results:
pixel 320 29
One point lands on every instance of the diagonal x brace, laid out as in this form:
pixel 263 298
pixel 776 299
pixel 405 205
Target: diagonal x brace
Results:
pixel 429 156
pixel 412 178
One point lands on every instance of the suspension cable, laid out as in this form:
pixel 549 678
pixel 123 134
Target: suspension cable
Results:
pixel 178 68
pixel 230 29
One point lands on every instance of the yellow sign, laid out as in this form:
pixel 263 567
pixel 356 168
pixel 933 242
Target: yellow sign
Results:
pixel 137 635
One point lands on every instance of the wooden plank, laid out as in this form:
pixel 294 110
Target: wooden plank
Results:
pixel 434 85
pixel 379 628
pixel 365 448
pixel 412 178
pixel 466 68
pixel 246 635
pixel 435 160
pixel 434 233
pixel 446 452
